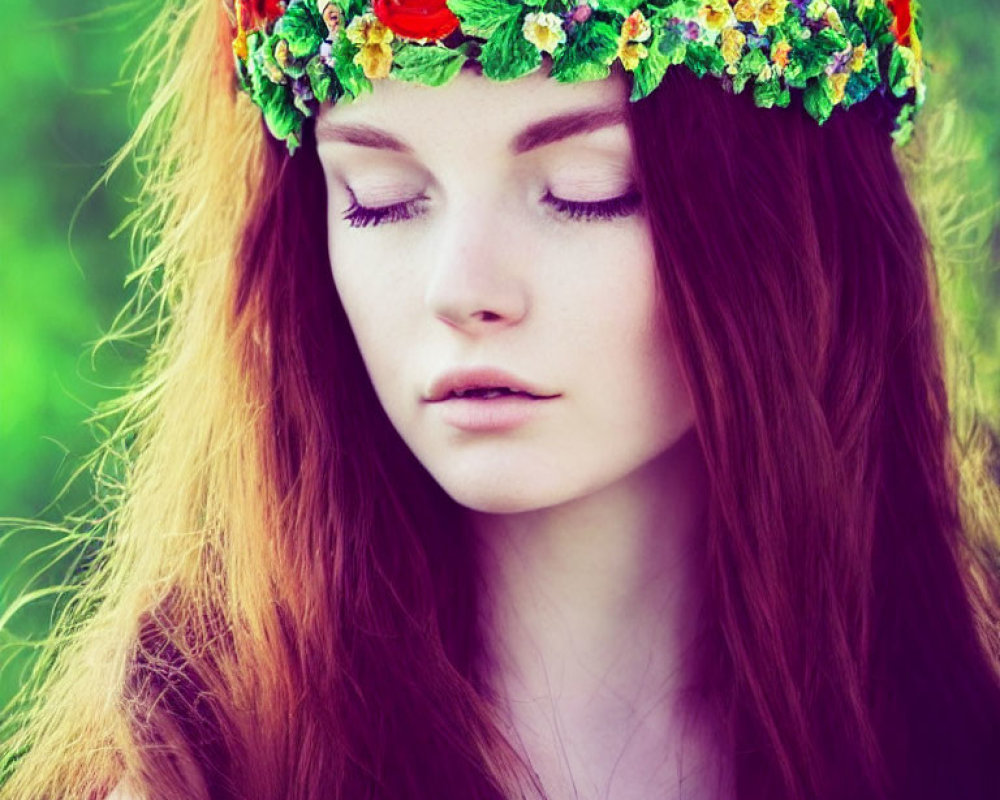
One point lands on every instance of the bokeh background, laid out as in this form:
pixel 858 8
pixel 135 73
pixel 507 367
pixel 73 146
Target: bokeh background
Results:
pixel 67 107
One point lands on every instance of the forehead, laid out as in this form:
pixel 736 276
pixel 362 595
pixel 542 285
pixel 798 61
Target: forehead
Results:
pixel 474 111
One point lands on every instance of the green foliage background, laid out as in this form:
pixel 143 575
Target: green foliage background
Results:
pixel 65 112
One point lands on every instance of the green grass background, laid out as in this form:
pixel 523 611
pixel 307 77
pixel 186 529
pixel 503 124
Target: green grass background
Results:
pixel 66 110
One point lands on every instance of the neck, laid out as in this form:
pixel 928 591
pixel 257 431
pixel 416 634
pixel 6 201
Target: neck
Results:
pixel 591 613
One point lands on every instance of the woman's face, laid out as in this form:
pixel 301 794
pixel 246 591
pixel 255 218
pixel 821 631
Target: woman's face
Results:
pixel 477 266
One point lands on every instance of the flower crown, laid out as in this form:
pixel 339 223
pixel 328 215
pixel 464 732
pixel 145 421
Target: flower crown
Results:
pixel 293 56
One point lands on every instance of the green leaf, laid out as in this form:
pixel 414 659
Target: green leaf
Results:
pixel 793 75
pixel 622 7
pixel 766 93
pixel 586 53
pixel 860 85
pixel 855 33
pixel 303 29
pixel 508 55
pixel 903 129
pixel 432 65
pixel 829 41
pixel 740 81
pixel 353 8
pixel 672 45
pixel 898 73
pixel 807 60
pixel 481 18
pixel 650 70
pixel 350 75
pixel 685 9
pixel 701 58
pixel 321 79
pixel 261 72
pixel 877 19
pixel 816 102
pixel 753 62
pixel 579 71
pixel 280 113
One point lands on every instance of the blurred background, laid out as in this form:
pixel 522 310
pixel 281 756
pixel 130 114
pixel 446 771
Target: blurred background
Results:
pixel 67 109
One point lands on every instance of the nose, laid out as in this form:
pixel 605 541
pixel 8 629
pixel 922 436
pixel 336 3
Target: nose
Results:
pixel 478 281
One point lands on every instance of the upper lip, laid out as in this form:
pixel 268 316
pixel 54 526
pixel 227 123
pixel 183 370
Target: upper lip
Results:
pixel 479 378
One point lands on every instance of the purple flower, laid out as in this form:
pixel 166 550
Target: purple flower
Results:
pixel 325 53
pixel 839 61
pixel 302 89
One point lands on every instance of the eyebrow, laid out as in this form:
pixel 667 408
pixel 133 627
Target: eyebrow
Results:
pixel 546 131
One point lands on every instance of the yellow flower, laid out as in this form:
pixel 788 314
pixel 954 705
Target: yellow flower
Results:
pixel 375 60
pixel 858 57
pixel 745 11
pixel 772 12
pixel 240 45
pixel 374 55
pixel 631 54
pixel 635 28
pixel 716 14
pixel 762 13
pixel 837 84
pixel 367 29
pixel 833 20
pixel 282 54
pixel 331 15
pixel 544 30
pixel 732 47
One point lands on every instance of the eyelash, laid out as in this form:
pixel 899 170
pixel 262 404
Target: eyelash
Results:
pixel 360 216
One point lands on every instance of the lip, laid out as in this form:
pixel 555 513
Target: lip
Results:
pixel 461 379
pixel 475 414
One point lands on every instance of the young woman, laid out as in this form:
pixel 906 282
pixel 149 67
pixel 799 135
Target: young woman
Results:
pixel 516 438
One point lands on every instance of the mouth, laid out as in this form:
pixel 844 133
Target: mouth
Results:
pixel 490 409
pixel 492 393
pixel 484 384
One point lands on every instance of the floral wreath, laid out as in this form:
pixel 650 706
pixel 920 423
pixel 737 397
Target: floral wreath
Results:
pixel 292 56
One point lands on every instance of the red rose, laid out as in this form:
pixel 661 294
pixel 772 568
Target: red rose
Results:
pixel 255 14
pixel 416 19
pixel 901 27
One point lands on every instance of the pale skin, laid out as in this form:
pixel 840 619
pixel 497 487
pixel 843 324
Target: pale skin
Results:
pixel 590 516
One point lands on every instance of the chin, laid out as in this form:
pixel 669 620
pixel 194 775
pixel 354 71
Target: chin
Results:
pixel 494 499
pixel 495 493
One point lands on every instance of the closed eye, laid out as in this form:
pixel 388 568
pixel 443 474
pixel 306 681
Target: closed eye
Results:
pixel 360 216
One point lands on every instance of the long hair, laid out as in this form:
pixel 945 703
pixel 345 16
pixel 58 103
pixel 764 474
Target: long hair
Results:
pixel 284 604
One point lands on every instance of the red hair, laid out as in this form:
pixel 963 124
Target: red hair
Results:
pixel 799 282
pixel 319 635
pixel 801 290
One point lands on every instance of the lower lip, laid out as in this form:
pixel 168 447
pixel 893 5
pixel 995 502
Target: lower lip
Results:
pixel 498 414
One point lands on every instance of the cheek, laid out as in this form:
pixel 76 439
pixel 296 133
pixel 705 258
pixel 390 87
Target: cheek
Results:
pixel 625 346
pixel 374 306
